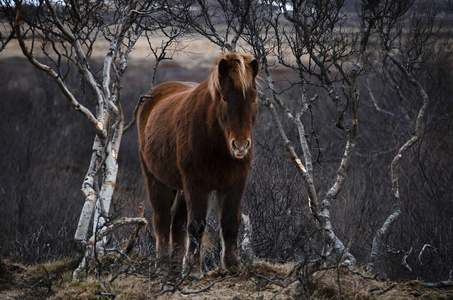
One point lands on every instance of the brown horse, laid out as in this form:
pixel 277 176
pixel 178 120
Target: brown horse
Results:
pixel 197 138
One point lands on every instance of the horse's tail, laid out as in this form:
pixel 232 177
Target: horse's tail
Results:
pixel 143 114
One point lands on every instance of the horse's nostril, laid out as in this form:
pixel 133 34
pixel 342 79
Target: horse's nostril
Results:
pixel 248 144
pixel 233 144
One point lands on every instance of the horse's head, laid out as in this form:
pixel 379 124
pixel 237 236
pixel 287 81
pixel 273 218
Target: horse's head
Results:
pixel 233 87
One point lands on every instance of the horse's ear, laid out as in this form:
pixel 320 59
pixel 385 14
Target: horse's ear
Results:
pixel 223 68
pixel 255 67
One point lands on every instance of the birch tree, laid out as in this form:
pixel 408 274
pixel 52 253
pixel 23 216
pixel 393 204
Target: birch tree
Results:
pixel 309 37
pixel 55 37
pixel 407 36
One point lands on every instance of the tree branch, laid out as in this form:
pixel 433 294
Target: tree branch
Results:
pixel 48 70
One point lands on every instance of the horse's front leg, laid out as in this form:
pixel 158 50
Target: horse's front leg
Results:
pixel 197 200
pixel 229 209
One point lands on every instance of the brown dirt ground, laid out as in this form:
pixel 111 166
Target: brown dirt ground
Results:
pixel 260 281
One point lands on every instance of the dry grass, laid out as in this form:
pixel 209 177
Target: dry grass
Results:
pixel 260 281
pixel 196 52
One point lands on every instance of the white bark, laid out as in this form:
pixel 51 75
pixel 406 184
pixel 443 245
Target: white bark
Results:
pixel 322 216
pixel 88 184
pixel 404 260
pixel 394 173
pixel 91 196
pixel 107 188
pixel 109 180
pixel 246 243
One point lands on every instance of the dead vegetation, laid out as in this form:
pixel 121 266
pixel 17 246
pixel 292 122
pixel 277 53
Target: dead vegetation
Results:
pixel 261 280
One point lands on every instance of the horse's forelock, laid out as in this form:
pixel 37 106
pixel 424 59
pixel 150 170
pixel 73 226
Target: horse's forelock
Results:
pixel 241 73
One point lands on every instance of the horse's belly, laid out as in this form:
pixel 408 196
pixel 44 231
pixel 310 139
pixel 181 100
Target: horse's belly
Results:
pixel 164 168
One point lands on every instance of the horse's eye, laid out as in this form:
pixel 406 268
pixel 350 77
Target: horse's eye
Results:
pixel 224 99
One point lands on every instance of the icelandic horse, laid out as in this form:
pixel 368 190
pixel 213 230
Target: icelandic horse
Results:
pixel 195 139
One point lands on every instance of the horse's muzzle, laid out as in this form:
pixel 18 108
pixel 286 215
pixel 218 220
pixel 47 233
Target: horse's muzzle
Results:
pixel 240 150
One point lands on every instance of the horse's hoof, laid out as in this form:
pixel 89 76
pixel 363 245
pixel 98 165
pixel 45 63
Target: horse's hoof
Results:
pixel 232 264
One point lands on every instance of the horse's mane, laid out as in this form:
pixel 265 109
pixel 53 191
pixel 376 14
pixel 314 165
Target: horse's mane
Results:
pixel 240 71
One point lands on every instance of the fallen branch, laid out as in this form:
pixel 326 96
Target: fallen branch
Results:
pixel 177 285
pixel 360 273
pixel 125 269
pixel 135 234
pixel 45 281
pixel 439 284
pixel 387 289
pixel 93 241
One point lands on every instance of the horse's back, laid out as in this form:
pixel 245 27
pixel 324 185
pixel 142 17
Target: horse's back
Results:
pixel 160 92
pixel 172 87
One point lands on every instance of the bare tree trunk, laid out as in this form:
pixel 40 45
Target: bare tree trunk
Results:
pixel 105 148
pixel 246 244
pixel 109 180
pixel 394 172
pixel 91 196
pixel 404 52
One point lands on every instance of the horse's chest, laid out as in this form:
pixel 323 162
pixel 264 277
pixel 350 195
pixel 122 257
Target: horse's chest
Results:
pixel 215 171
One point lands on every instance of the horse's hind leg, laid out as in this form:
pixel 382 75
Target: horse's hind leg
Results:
pixel 229 218
pixel 161 198
pixel 178 231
